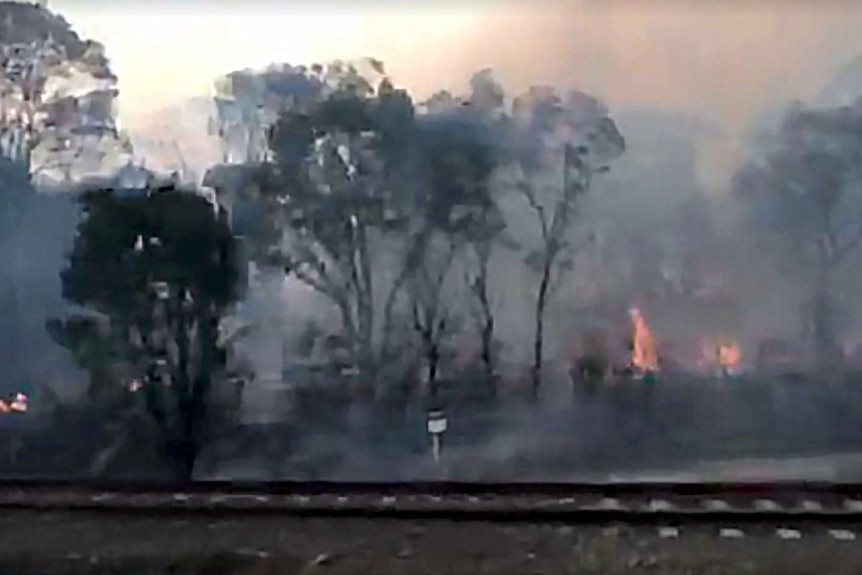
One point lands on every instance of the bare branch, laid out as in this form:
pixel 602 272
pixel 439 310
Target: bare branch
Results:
pixel 530 195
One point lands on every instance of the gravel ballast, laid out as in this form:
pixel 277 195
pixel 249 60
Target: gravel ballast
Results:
pixel 67 543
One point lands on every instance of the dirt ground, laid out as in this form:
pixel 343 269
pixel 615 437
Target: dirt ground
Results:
pixel 64 544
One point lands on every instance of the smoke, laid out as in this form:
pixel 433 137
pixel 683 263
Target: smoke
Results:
pixel 726 62
pixel 658 237
pixel 37 232
pixel 690 86
pixel 654 226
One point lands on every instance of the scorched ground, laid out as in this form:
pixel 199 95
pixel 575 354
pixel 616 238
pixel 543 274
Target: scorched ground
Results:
pixel 62 543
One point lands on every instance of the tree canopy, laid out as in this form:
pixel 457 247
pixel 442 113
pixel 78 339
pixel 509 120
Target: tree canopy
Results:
pixel 363 182
pixel 154 271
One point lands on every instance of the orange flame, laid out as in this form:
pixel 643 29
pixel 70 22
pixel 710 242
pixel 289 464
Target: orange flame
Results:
pixel 723 353
pixel 728 354
pixel 18 404
pixel 644 352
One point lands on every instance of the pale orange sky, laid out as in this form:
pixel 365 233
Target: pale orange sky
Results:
pixel 726 58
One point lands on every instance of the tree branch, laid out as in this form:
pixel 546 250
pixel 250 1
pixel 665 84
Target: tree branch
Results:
pixel 530 195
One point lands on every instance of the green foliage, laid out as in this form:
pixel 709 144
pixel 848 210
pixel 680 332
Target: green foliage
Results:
pixel 367 195
pixel 458 160
pixel 188 247
pixel 322 188
pixel 159 269
pixel 557 146
pixel 336 203
pixel 364 156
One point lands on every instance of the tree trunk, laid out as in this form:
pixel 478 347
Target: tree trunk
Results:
pixel 359 333
pixel 184 449
pixel 184 455
pixel 365 316
pixel 102 385
pixel 181 373
pixel 486 332
pixel 433 358
pixel 538 341
pixel 823 330
pixel 487 355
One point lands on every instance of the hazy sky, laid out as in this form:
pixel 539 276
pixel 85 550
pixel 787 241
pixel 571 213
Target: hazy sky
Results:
pixel 726 58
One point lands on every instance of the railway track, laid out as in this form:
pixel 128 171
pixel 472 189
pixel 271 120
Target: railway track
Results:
pixel 788 505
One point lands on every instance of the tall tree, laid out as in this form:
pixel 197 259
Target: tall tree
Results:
pixel 160 267
pixel 430 303
pixel 58 93
pixel 804 193
pixel 559 145
pixel 336 217
pixel 362 194
pixel 487 228
pixel 459 154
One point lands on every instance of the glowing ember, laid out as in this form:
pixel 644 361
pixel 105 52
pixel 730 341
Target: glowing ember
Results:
pixel 17 404
pixel 728 355
pixel 644 353
pixel 723 354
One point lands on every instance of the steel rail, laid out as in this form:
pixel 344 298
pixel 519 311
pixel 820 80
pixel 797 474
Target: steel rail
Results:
pixel 294 487
pixel 597 503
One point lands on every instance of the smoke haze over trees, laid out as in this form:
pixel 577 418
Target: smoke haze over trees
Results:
pixel 336 257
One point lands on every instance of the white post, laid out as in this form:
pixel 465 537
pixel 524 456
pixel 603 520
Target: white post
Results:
pixel 437 425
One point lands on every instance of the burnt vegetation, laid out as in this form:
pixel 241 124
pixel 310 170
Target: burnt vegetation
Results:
pixel 549 273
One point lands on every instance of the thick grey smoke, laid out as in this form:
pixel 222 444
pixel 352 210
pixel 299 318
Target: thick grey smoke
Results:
pixel 44 66
pixel 654 236
pixel 36 233
pixel 652 233
pixel 58 130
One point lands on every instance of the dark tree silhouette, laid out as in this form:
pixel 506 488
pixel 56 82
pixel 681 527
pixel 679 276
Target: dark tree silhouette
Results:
pixel 458 156
pixel 804 193
pixel 332 210
pixel 560 144
pixel 362 197
pixel 156 270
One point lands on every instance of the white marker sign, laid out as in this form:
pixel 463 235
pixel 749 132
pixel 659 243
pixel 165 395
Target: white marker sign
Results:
pixel 437 423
